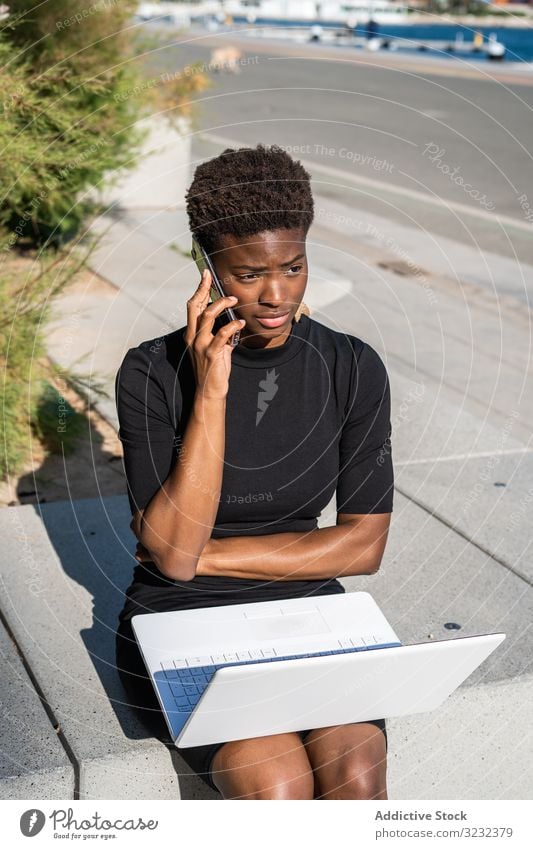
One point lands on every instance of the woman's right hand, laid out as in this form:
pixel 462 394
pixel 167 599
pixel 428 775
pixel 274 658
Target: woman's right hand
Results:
pixel 210 354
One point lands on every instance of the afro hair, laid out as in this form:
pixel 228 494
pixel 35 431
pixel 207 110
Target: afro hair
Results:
pixel 247 191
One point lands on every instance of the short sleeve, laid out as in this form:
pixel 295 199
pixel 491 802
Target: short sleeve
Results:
pixel 145 428
pixel 366 478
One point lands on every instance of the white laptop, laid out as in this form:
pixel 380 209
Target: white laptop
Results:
pixel 250 670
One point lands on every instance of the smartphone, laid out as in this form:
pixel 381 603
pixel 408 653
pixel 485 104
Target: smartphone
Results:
pixel 202 260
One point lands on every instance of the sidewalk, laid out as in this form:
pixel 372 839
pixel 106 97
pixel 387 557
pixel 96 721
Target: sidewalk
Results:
pixel 459 546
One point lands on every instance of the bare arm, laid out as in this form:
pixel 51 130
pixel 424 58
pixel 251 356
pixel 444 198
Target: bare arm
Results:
pixel 175 526
pixel 180 517
pixel 354 546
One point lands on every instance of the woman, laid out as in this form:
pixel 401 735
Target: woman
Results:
pixel 231 454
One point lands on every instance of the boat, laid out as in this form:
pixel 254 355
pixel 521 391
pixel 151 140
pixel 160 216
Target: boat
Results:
pixel 352 22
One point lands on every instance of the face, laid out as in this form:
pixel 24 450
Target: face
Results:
pixel 267 272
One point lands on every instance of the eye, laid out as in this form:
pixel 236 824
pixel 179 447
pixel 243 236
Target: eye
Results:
pixel 249 278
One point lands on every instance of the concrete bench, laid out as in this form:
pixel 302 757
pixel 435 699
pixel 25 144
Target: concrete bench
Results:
pixel 34 764
pixel 64 573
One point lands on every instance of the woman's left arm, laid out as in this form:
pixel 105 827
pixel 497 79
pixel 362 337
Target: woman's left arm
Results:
pixel 354 546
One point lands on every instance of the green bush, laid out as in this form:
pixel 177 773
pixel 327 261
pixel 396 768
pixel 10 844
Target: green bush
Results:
pixel 72 87
pixel 66 118
pixel 18 341
pixel 64 124
pixel 24 308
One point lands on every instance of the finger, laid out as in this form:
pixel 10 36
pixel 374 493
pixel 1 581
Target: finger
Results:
pixel 204 284
pixel 225 333
pixel 196 304
pixel 219 306
pixel 200 298
pixel 207 318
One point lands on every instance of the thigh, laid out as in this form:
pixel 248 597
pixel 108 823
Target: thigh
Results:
pixel 349 761
pixel 273 767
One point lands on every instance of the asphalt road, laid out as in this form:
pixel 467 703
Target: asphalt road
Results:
pixel 452 154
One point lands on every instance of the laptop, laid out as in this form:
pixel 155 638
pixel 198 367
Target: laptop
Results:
pixel 255 669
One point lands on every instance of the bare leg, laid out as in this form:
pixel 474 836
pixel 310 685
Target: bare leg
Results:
pixel 274 767
pixel 348 761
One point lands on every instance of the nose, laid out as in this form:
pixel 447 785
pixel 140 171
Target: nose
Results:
pixel 274 291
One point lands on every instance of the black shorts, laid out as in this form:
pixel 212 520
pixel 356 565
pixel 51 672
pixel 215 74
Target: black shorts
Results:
pixel 142 698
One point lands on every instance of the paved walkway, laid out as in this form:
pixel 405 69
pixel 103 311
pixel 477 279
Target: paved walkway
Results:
pixel 460 545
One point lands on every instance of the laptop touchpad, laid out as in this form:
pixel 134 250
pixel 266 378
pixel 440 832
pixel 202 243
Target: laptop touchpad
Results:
pixel 302 624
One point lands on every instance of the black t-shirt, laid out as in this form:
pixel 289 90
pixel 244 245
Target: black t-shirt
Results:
pixel 304 421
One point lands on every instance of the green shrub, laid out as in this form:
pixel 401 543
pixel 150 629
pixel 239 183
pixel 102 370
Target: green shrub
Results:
pixel 70 95
pixel 19 340
pixel 25 299
pixel 66 117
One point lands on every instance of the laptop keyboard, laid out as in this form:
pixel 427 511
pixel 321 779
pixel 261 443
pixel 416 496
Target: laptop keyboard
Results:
pixel 187 679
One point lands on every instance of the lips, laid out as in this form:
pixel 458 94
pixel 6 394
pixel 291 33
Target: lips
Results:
pixel 273 319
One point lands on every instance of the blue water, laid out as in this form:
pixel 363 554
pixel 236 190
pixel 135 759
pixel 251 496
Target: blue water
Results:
pixel 519 42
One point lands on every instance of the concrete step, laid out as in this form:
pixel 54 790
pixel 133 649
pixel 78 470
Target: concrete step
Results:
pixel 90 332
pixel 483 356
pixel 479 743
pixel 469 748
pixel 439 254
pixel 34 764
pixel 430 575
pixel 488 499
pixel 81 564
pixel 142 264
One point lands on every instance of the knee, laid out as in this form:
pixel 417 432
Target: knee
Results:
pixel 287 788
pixel 361 780
pixel 255 783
